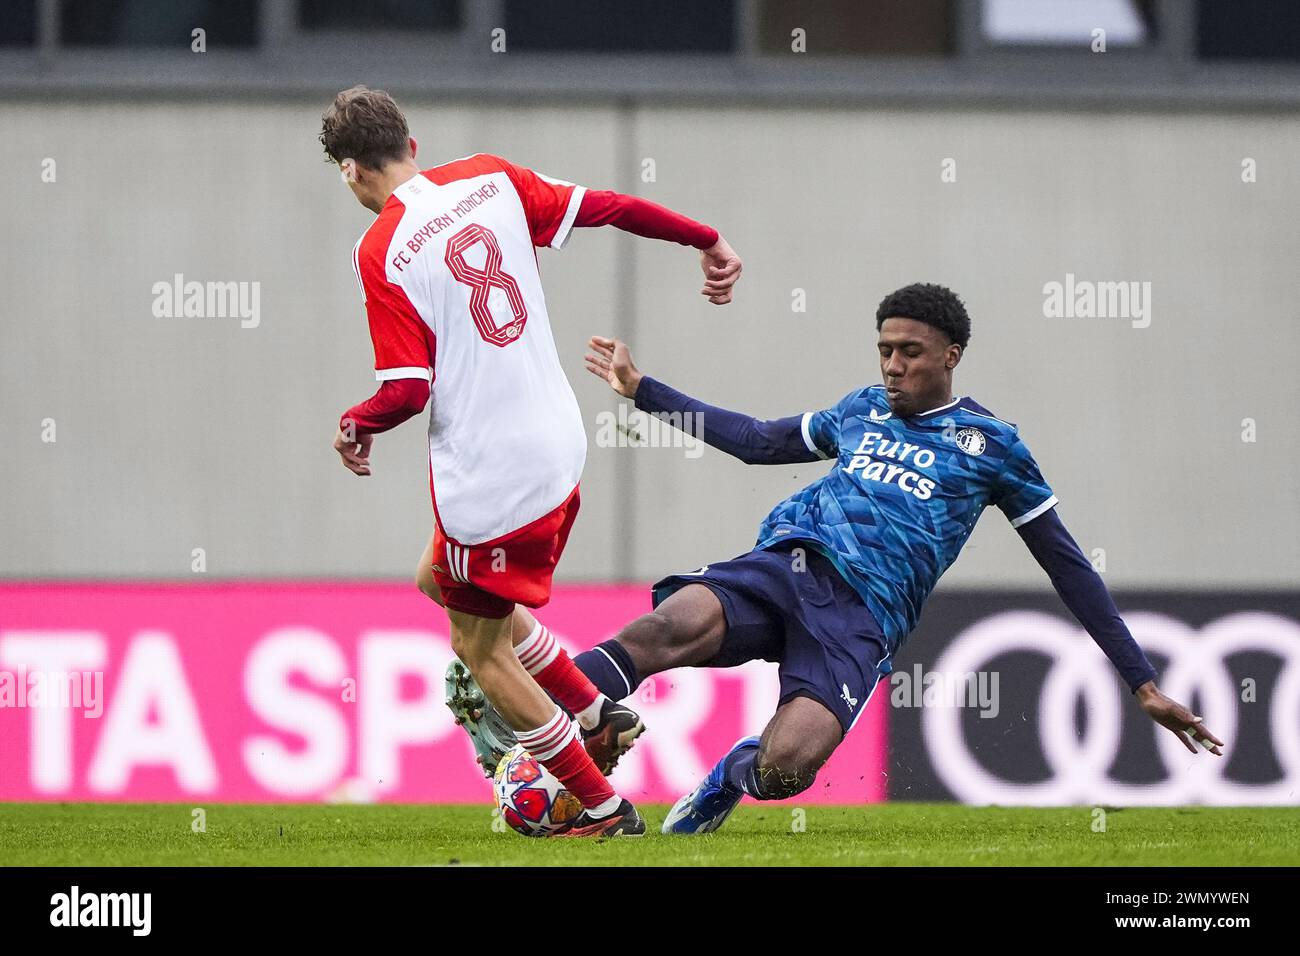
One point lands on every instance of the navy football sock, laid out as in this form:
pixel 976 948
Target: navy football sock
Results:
pixel 609 666
pixel 739 769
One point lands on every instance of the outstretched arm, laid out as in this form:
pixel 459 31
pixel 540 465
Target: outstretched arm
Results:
pixel 553 207
pixel 755 442
pixel 602 207
pixel 1081 589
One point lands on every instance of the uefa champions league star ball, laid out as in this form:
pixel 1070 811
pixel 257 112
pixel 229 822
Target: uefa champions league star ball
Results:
pixel 529 797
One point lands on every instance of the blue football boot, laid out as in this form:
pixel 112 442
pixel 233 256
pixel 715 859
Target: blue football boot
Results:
pixel 707 807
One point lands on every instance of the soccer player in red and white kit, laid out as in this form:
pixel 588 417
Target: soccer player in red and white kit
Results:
pixel 455 306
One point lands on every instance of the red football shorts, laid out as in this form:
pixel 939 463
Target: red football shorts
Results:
pixel 490 578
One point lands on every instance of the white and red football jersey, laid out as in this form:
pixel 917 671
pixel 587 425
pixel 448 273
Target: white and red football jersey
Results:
pixel 453 295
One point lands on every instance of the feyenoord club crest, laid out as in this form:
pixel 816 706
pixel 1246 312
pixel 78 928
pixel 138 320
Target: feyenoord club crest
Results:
pixel 971 441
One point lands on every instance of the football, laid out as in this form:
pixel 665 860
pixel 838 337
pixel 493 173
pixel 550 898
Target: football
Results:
pixel 530 799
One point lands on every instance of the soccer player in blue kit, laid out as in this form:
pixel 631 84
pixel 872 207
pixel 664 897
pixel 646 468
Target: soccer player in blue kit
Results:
pixel 841 568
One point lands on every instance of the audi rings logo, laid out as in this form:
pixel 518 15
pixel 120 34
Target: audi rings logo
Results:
pixel 1080 763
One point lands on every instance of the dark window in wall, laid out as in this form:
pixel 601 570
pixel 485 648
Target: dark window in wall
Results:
pixel 1248 30
pixel 858 26
pixel 620 26
pixel 162 23
pixel 18 23
pixel 380 14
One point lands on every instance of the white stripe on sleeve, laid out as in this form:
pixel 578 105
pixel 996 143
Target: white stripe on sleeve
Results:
pixel 1033 513
pixel 570 214
pixel 409 371
pixel 807 436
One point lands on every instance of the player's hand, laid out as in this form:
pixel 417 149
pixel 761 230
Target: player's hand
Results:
pixel 721 270
pixel 354 452
pixel 1169 713
pixel 609 359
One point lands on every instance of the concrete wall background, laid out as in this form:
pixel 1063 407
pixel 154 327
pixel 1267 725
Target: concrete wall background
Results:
pixel 175 434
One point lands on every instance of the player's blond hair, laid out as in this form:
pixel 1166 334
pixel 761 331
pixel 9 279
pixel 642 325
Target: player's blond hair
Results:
pixel 365 125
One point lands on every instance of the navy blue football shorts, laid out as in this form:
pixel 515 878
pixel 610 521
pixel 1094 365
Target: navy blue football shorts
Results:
pixel 790 605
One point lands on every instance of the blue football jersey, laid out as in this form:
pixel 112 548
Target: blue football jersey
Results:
pixel 904 496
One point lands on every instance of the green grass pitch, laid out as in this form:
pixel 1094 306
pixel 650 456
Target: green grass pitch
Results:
pixel 897 834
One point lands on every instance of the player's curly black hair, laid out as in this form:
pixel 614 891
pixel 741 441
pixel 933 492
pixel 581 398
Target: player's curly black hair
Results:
pixel 932 304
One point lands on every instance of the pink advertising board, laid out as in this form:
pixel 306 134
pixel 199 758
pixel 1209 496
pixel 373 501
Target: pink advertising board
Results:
pixel 309 692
